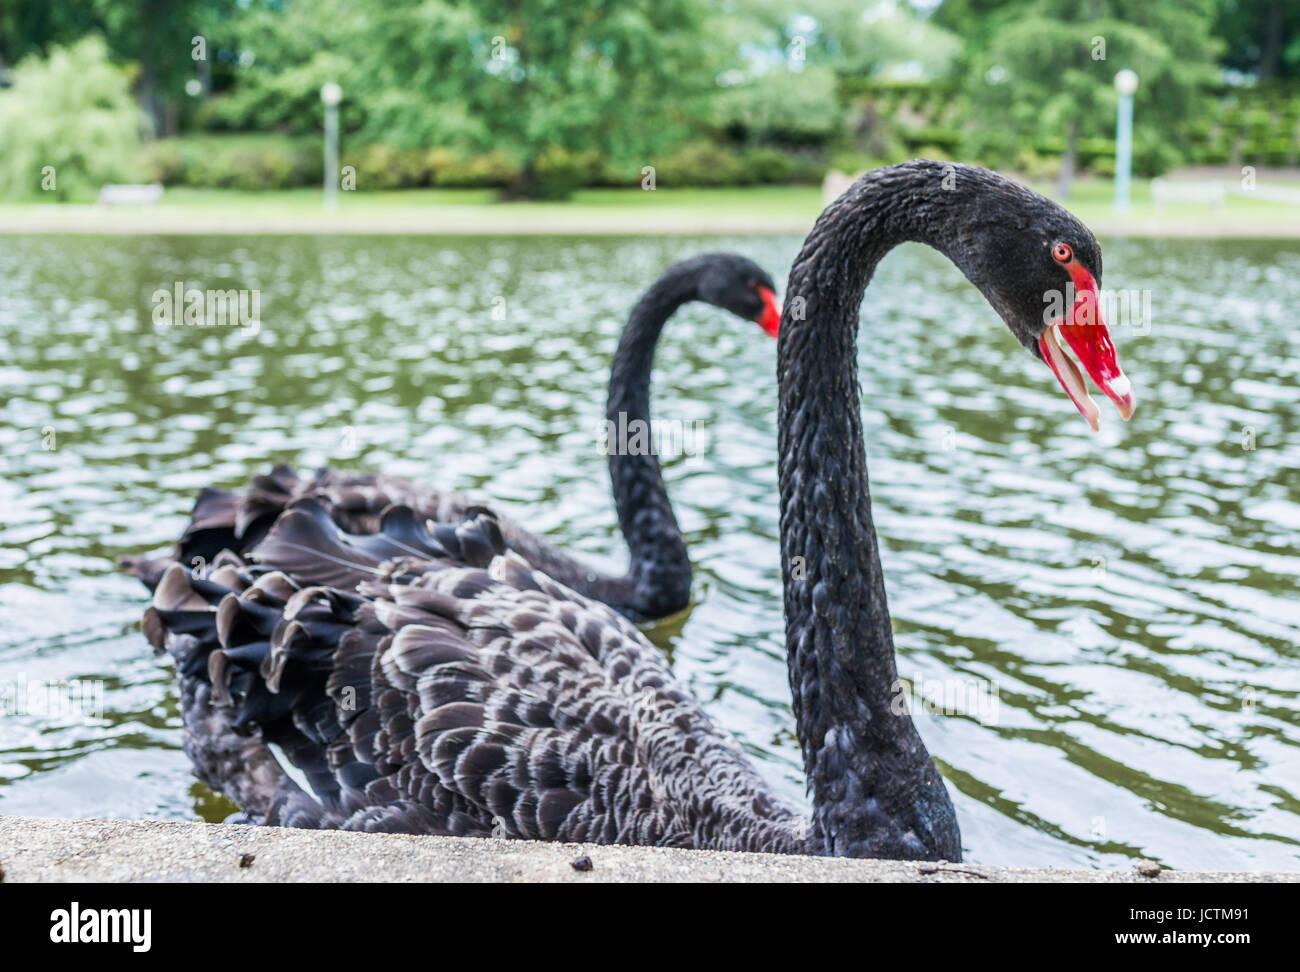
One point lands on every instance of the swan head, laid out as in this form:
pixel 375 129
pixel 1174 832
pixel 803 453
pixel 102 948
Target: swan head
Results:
pixel 1040 268
pixel 740 285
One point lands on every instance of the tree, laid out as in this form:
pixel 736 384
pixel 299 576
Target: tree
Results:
pixel 157 35
pixel 68 124
pixel 546 82
pixel 1263 37
pixel 555 77
pixel 1051 65
pixel 31 26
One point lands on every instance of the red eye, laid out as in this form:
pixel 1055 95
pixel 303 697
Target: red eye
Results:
pixel 1062 252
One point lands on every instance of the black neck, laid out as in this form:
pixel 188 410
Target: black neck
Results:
pixel 660 570
pixel 875 789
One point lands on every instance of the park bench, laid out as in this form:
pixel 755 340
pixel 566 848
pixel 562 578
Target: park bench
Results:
pixel 1165 191
pixel 131 195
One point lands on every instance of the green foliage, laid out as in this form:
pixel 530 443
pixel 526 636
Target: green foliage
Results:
pixel 1262 37
pixel 885 40
pixel 1049 69
pixel 879 39
pixel 286 101
pixel 72 113
pixel 1152 155
pixel 234 162
pixel 153 37
pixel 542 82
pixel 450 169
pixel 389 167
pixel 705 163
pixel 770 166
pixel 944 140
pixel 538 97
pixel 701 163
pixel 794 108
pixel 582 75
pixel 407 119
pixel 557 172
pixel 1259 125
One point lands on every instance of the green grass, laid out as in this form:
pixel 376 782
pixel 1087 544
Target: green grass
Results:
pixel 759 209
pixel 756 209
pixel 1092 200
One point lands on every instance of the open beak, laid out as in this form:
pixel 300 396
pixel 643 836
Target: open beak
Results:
pixel 770 319
pixel 1086 333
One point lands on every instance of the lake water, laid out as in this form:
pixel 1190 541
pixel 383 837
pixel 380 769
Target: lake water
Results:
pixel 1111 618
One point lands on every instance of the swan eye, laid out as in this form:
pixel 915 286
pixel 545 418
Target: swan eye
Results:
pixel 1062 253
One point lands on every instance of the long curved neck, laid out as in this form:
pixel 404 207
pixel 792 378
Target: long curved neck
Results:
pixel 875 789
pixel 660 570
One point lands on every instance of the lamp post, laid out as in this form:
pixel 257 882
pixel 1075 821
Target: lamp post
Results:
pixel 331 94
pixel 1126 82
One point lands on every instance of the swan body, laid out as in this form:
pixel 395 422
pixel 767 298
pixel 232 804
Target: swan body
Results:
pixel 369 659
pixel 425 677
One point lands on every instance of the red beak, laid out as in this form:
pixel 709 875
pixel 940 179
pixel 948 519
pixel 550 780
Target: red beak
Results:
pixel 1087 334
pixel 770 319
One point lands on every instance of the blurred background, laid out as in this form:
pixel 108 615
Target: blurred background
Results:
pixel 543 99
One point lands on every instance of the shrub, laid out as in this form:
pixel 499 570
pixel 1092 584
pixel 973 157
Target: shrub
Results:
pixel 768 165
pixel 615 173
pixel 1152 156
pixel 945 140
pixel 702 164
pixel 164 161
pixel 450 169
pixel 1095 152
pixel 997 148
pixel 557 172
pixel 1034 166
pixel 71 118
pixel 234 162
pixel 386 167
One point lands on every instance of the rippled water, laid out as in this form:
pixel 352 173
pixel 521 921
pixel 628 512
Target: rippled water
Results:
pixel 1112 617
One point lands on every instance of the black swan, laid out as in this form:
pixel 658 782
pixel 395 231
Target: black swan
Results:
pixel 426 679
pixel 658 580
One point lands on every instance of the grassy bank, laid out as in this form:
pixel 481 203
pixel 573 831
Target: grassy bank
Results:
pixel 457 211
pixel 759 209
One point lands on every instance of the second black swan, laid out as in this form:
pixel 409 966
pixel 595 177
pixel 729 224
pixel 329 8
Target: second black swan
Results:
pixel 438 683
pixel 657 582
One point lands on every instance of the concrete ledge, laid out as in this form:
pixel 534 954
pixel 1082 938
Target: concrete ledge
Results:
pixel 40 849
